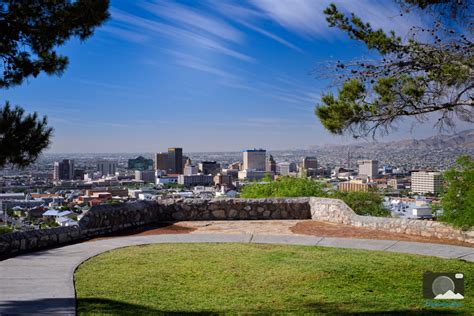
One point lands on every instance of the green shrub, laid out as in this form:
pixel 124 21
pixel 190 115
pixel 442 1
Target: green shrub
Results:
pixel 364 203
pixel 5 230
pixel 284 187
pixel 458 200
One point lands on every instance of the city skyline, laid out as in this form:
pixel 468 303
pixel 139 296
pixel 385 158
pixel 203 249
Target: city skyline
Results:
pixel 238 73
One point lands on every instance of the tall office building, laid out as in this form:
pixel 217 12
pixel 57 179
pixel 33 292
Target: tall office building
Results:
pixel 161 161
pixel 255 159
pixel 189 169
pixel 369 168
pixel 426 182
pixel 107 167
pixel 286 168
pixel 310 163
pixel 145 176
pixel 175 160
pixel 209 167
pixel 63 170
pixel 140 163
pixel 271 164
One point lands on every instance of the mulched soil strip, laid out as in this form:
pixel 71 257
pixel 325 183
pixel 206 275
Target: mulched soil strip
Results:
pixel 317 228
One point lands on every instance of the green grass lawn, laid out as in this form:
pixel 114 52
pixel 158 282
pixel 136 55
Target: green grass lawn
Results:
pixel 249 278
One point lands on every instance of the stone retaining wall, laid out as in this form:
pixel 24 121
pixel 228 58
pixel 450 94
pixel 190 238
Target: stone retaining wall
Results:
pixel 336 211
pixel 104 219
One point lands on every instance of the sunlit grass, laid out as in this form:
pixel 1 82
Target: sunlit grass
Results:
pixel 248 278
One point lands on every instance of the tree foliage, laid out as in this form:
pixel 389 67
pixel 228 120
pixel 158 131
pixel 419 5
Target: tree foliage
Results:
pixel 412 78
pixel 22 137
pixel 458 200
pixel 284 187
pixel 30 32
pixel 362 203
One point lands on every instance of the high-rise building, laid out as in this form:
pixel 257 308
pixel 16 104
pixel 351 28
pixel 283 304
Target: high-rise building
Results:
pixel 255 159
pixel 189 168
pixel 285 168
pixel 235 166
pixel 63 170
pixel 209 167
pixel 426 182
pixel 161 161
pixel 310 163
pixel 145 175
pixel 369 168
pixel 271 164
pixel 175 160
pixel 79 174
pixel 140 163
pixel 107 167
pixel 223 180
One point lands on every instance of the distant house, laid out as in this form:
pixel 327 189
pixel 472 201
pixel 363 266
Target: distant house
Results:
pixel 65 222
pixel 57 214
pixel 36 212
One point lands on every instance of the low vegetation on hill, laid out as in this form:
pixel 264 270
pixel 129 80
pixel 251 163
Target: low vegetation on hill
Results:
pixel 363 203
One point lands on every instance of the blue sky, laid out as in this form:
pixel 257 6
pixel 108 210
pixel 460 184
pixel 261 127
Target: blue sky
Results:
pixel 203 75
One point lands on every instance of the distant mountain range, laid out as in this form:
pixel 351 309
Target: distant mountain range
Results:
pixel 464 139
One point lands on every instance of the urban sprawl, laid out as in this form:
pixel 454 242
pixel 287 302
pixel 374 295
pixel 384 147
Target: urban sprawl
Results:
pixel 57 192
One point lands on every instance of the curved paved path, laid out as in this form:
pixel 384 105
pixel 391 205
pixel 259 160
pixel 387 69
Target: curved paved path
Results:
pixel 42 282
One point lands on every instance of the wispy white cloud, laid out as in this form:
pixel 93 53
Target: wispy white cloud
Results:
pixel 303 17
pixel 306 17
pixel 245 16
pixel 176 33
pixel 193 19
pixel 226 77
pixel 124 34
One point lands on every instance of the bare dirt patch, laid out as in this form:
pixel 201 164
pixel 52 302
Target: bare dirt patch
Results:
pixel 325 229
pixel 155 229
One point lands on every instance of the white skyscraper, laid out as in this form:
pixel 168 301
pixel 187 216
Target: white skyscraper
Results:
pixel 255 159
pixel 426 182
pixel 369 168
pixel 107 167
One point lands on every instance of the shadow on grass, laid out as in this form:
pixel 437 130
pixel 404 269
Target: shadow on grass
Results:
pixel 105 306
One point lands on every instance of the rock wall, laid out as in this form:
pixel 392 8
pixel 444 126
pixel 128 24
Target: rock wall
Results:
pixel 336 211
pixel 17 242
pixel 104 219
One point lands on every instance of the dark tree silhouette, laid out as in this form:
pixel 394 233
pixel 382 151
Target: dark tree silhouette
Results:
pixel 412 78
pixel 30 31
pixel 22 137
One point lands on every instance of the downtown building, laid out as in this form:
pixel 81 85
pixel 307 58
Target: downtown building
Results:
pixel 63 170
pixel 368 168
pixel 107 167
pixel 140 163
pixel 255 159
pixel 175 160
pixel 209 167
pixel 424 182
pixel 161 161
pixel 147 176
pixel 195 180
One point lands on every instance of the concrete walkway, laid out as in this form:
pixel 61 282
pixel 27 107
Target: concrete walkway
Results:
pixel 42 282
